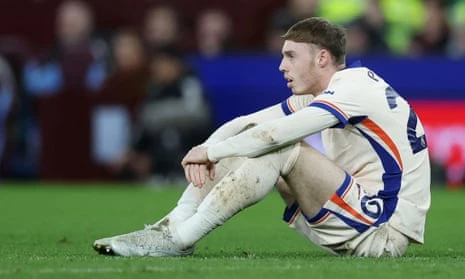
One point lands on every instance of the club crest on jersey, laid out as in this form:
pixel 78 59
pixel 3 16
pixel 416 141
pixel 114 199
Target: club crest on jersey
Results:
pixel 330 92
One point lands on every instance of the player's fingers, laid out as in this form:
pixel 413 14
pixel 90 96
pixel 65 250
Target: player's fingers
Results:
pixel 193 172
pixel 186 173
pixel 211 171
pixel 198 175
pixel 202 173
pixel 184 160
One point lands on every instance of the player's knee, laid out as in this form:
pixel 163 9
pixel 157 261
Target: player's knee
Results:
pixel 397 244
pixel 385 242
pixel 288 158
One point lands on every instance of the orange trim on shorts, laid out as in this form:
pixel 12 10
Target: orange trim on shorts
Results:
pixel 322 218
pixel 348 188
pixel 294 216
pixel 342 204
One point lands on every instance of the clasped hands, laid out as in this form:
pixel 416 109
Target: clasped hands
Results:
pixel 197 166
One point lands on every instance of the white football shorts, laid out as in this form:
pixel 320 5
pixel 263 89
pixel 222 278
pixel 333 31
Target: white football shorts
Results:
pixel 350 223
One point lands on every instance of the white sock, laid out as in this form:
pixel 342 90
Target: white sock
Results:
pixel 240 188
pixel 188 203
pixel 193 196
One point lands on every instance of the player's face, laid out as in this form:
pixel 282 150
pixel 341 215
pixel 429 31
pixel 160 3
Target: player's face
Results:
pixel 299 67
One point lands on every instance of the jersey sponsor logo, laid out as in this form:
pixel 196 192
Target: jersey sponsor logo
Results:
pixel 330 92
pixel 371 206
pixel 372 76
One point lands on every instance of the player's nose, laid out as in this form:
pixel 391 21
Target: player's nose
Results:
pixel 282 67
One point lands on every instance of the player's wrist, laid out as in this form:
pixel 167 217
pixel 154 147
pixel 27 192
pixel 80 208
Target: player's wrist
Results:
pixel 210 156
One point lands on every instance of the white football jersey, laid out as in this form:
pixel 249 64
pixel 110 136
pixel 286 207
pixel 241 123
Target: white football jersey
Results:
pixel 380 141
pixel 370 132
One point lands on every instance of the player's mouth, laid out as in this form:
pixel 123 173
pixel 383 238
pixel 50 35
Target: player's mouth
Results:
pixel 289 82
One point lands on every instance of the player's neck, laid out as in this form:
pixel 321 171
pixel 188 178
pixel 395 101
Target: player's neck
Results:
pixel 324 80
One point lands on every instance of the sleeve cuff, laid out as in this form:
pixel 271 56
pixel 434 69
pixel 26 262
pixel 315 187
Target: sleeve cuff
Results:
pixel 210 156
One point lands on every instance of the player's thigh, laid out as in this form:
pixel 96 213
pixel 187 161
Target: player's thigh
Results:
pixel 313 178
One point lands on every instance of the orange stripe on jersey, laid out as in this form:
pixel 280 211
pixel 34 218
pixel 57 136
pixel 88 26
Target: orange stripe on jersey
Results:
pixel 372 126
pixel 289 105
pixel 342 204
pixel 333 106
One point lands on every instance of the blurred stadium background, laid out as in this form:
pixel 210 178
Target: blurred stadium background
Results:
pixel 117 91
pixel 96 94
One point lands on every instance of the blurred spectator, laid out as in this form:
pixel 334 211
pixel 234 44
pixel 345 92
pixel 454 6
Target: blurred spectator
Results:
pixel 434 35
pixel 341 11
pixel 174 117
pixel 456 48
pixel 404 19
pixel 162 27
pixel 365 34
pixel 128 77
pixel 358 38
pixel 7 96
pixel 284 18
pixel 76 61
pixel 117 102
pixel 457 44
pixel 214 33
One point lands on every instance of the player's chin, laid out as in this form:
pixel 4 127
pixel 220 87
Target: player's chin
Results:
pixel 297 92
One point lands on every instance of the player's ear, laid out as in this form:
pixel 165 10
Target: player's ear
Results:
pixel 324 58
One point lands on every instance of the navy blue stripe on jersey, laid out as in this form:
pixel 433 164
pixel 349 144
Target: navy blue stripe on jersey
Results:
pixel 285 108
pixel 357 119
pixel 332 110
pixel 391 178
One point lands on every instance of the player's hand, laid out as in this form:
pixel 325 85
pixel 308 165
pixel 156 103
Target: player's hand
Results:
pixel 197 155
pixel 197 173
pixel 197 167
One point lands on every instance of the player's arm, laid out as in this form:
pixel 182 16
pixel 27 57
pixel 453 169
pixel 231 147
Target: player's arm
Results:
pixel 274 134
pixel 334 108
pixel 242 123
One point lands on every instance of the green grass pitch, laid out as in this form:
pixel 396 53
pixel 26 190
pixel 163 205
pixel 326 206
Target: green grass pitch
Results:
pixel 46 231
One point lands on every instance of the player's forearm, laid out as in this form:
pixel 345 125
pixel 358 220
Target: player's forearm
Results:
pixel 234 127
pixel 242 123
pixel 226 130
pixel 273 134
